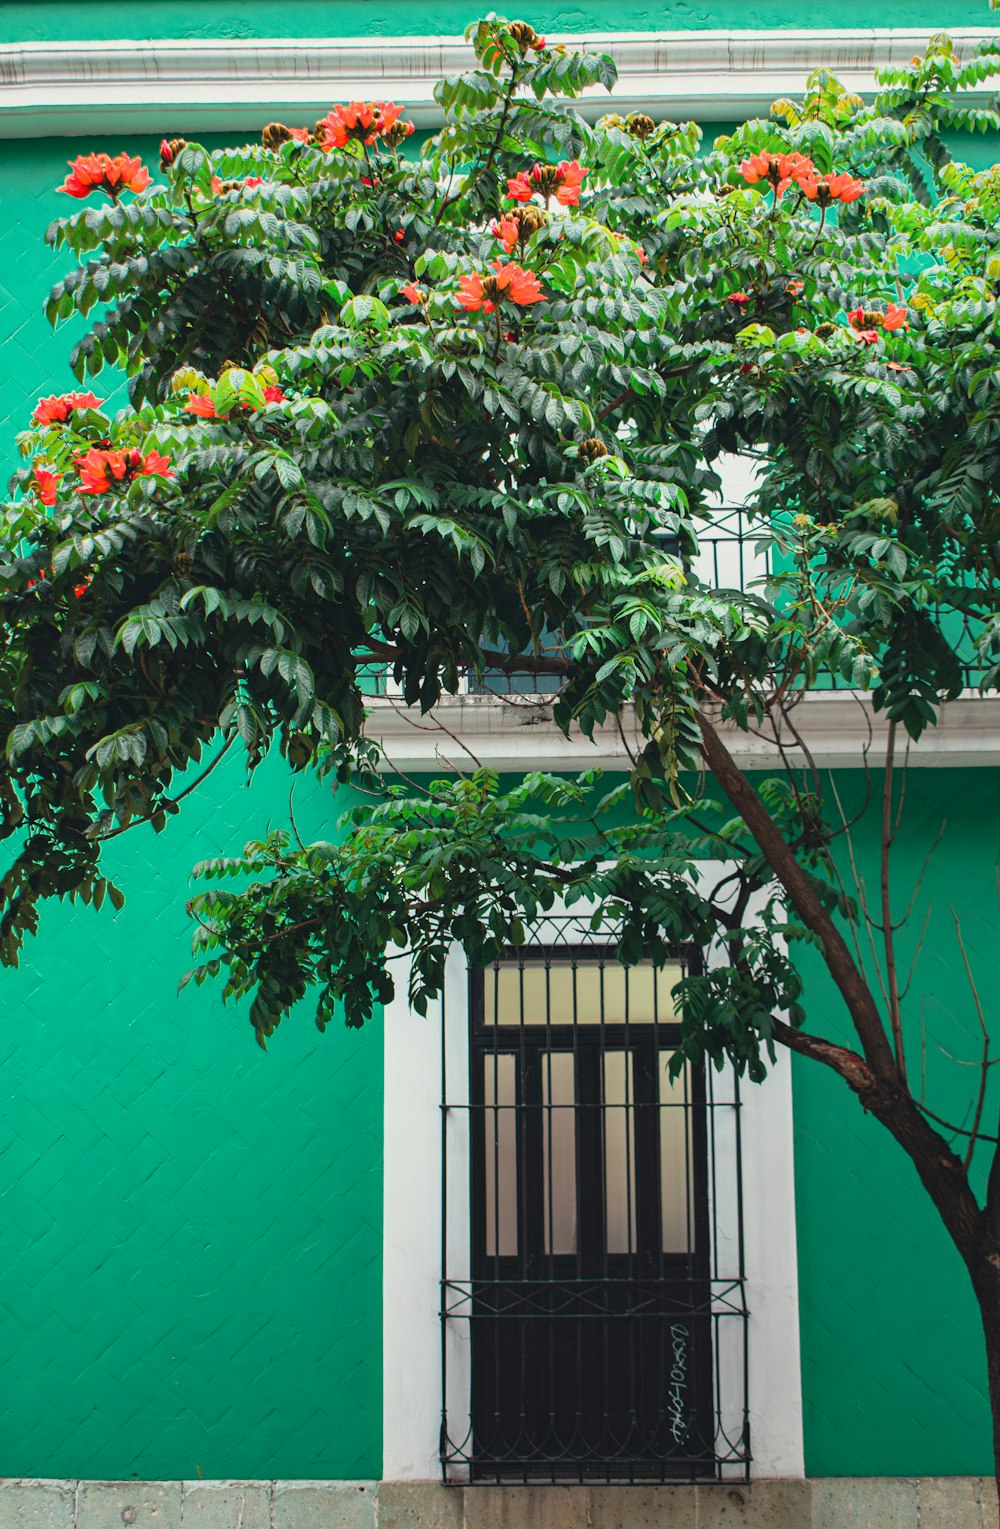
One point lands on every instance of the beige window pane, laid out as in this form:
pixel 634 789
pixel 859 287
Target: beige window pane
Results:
pixel 581 991
pixel 619 1151
pixel 500 1128
pixel 559 1151
pixel 676 1198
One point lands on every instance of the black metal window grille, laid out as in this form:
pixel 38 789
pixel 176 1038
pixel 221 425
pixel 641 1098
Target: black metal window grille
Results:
pixel 593 1312
pixel 729 557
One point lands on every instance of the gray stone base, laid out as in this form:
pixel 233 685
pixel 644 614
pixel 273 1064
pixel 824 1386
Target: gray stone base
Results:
pixel 942 1502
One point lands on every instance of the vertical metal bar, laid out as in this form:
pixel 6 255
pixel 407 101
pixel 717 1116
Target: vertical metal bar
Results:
pixel 444 1450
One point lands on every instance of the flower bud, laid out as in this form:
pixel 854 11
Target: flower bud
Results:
pixel 592 449
pixel 524 35
pixel 639 125
pixel 275 134
pixel 169 150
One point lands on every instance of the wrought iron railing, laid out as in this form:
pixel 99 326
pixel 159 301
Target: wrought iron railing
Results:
pixel 729 557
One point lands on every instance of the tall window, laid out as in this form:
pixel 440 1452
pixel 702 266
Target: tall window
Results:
pixel 595 1299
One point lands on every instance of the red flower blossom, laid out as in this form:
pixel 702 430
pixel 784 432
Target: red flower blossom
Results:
pixel 520 188
pixel 564 181
pixel 894 317
pixel 166 154
pixel 825 189
pixel 505 229
pixel 738 299
pixel 779 170
pixel 362 121
pixel 643 257
pixel 510 282
pixel 100 468
pixel 274 394
pixel 300 134
pixel 399 235
pixel 81 589
pixel 571 184
pixel 200 404
pixel 413 293
pixel 795 288
pixel 897 366
pixel 56 409
pixel 867 336
pixel 99 172
pixel 44 483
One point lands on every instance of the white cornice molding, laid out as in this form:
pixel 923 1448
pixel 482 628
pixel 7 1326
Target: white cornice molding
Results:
pixel 69 87
pixel 519 734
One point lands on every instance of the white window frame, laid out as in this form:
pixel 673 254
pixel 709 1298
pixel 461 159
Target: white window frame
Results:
pixel 412 1242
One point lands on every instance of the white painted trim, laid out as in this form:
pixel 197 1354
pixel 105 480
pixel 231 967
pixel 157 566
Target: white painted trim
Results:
pixel 68 87
pixel 412 1240
pixel 518 733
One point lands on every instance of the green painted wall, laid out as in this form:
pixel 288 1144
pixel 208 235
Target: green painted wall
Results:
pixel 190 1228
pixel 893 1374
pixel 44 20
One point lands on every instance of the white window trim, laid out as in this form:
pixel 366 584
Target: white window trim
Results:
pixel 412 1242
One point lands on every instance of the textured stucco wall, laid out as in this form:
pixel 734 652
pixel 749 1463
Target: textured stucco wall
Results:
pixel 42 20
pixel 893 1377
pixel 190 1229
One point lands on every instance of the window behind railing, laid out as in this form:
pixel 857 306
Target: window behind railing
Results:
pixel 594 1319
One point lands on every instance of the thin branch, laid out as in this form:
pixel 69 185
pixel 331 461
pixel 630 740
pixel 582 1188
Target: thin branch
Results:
pixel 171 801
pixel 888 937
pixel 984 1069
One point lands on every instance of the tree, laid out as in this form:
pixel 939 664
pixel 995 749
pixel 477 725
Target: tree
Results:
pixel 460 412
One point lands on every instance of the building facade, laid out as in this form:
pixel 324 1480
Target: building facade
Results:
pixel 223 1265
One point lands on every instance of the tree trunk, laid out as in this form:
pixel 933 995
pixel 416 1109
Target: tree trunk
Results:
pixel 986 1282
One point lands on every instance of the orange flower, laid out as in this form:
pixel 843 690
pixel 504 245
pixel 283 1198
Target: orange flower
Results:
pixel 506 230
pixel 100 468
pixel 413 293
pixel 779 170
pixel 363 121
pixel 564 181
pixel 44 483
pixel 274 394
pixel 511 282
pixel 795 288
pixel 641 253
pixel 57 408
pixel 81 589
pixel 824 189
pixel 897 366
pixel 200 404
pixel 399 235
pixel 867 336
pixel 520 187
pixel 894 317
pixel 99 172
pixel 738 299
pixel 571 184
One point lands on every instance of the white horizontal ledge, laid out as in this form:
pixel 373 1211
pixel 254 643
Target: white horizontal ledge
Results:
pixel 518 733
pixel 62 88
